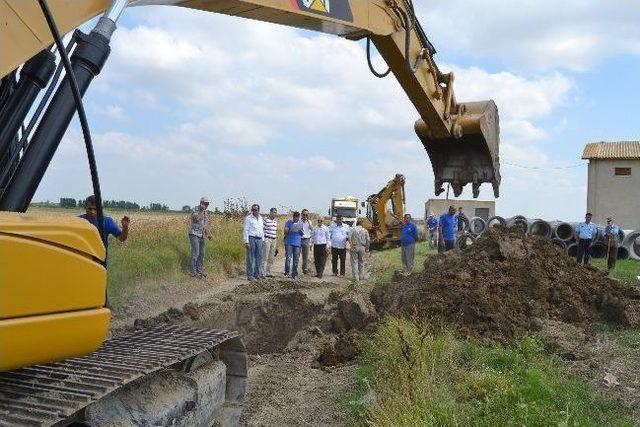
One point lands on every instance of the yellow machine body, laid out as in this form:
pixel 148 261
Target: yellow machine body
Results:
pixel 385 212
pixel 52 289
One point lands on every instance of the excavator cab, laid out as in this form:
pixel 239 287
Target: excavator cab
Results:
pixel 471 154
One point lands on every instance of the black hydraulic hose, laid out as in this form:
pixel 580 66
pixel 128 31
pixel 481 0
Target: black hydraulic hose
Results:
pixel 95 181
pixel 373 70
pixel 36 115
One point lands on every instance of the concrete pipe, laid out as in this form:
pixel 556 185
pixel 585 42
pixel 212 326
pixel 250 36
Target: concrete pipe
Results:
pixel 572 250
pixel 562 230
pixel 477 226
pixel 598 250
pixel 464 241
pixel 632 243
pixel 539 227
pixel 559 243
pixel 623 253
pixel 495 221
pixel 518 221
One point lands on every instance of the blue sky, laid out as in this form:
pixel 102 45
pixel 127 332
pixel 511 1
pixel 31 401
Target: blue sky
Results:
pixel 192 103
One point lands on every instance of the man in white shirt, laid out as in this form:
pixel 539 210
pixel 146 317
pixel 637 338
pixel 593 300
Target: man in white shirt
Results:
pixel 339 233
pixel 253 235
pixel 321 243
pixel 270 242
pixel 307 231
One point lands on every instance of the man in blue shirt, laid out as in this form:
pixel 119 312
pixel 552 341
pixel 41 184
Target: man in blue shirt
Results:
pixel 586 233
pixel 447 229
pixel 110 225
pixel 292 243
pixel 432 223
pixel 408 240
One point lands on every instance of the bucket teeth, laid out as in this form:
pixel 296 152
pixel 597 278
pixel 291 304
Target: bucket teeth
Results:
pixel 471 158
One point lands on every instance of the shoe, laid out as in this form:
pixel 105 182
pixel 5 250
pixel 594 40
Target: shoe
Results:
pixel 201 274
pixel 250 279
pixel 270 276
pixel 193 274
pixel 287 275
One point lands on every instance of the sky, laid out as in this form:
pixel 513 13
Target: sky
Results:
pixel 192 103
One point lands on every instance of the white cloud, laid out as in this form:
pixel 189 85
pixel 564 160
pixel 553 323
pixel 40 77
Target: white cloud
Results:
pixel 573 34
pixel 114 111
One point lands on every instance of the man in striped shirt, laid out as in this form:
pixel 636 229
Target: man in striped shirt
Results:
pixel 270 242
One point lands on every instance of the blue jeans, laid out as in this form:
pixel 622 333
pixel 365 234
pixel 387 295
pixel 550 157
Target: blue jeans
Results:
pixel 254 257
pixel 290 252
pixel 197 253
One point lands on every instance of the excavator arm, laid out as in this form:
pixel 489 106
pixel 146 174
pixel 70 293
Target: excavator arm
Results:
pixel 461 139
pixel 385 226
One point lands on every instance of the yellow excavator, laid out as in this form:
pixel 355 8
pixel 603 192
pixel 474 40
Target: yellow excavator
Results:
pixel 55 366
pixel 385 212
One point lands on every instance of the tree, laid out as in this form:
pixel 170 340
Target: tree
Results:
pixel 186 208
pixel 67 202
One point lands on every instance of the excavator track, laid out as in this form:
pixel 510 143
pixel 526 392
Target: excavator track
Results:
pixel 58 393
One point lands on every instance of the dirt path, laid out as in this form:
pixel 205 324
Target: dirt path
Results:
pixel 284 323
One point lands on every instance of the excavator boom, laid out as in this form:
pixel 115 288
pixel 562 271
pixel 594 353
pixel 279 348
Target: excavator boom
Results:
pixel 461 139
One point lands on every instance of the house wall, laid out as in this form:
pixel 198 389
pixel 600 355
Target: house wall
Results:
pixel 440 206
pixel 611 195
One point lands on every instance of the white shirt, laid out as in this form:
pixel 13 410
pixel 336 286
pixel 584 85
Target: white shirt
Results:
pixel 321 235
pixel 306 229
pixel 339 235
pixel 253 227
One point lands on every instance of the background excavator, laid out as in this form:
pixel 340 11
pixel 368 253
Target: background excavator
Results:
pixel 385 211
pixel 57 368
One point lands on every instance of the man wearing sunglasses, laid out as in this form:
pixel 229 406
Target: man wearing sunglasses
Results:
pixel 110 225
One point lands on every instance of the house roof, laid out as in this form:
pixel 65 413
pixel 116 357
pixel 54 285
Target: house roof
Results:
pixel 628 150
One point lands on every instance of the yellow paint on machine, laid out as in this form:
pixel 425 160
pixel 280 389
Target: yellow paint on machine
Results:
pixel 39 339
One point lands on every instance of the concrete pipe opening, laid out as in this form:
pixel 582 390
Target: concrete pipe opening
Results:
pixel 598 250
pixel 518 221
pixel 540 228
pixel 464 241
pixel 559 243
pixel 563 231
pixel 477 225
pixel 632 243
pixel 623 253
pixel 496 221
pixel 572 250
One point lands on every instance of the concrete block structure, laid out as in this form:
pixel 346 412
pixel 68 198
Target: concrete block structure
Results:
pixel 614 182
pixel 484 209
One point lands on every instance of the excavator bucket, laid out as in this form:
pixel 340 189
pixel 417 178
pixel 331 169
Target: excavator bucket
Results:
pixel 471 156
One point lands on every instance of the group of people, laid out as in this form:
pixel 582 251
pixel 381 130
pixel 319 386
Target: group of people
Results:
pixel 586 234
pixel 301 238
pixel 443 231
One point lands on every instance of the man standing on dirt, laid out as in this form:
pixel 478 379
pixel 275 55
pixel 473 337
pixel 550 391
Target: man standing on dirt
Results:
pixel 408 240
pixel 307 230
pixel 586 232
pixel 292 242
pixel 611 240
pixel 197 232
pixel 320 240
pixel 110 225
pixel 448 224
pixel 339 232
pixel 270 242
pixel 253 234
pixel 359 240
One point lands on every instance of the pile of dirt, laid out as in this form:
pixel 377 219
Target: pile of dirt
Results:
pixel 504 284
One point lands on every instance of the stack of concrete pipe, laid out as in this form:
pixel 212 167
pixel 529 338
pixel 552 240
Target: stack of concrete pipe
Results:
pixel 560 233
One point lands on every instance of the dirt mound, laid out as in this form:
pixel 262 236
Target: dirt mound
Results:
pixel 497 288
pixel 338 350
pixel 263 286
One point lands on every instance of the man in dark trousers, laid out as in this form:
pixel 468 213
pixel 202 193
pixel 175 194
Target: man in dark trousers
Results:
pixel 586 233
pixel 339 233
pixel 321 240
pixel 447 227
pixel 612 241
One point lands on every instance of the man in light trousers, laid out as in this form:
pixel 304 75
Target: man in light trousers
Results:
pixel 253 235
pixel 270 242
pixel 359 238
pixel 197 232
pixel 408 240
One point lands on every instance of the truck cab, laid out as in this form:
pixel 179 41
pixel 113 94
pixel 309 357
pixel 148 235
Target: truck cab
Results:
pixel 348 207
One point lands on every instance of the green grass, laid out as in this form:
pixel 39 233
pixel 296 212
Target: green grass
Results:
pixel 158 250
pixel 627 270
pixel 386 262
pixel 423 377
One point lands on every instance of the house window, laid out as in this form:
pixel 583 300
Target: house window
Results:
pixel 622 171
